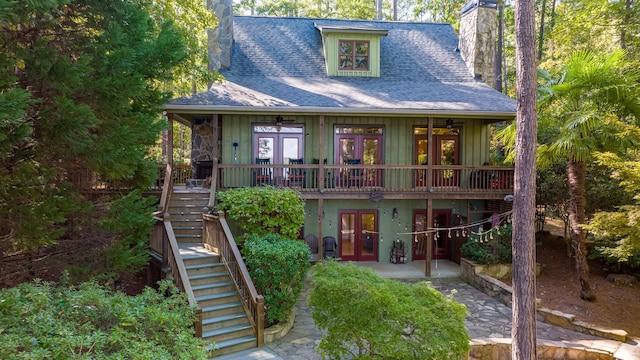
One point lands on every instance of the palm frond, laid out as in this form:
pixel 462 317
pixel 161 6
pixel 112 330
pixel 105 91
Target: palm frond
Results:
pixel 598 94
pixel 507 136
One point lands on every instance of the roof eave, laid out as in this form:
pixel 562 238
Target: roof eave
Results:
pixel 304 110
pixel 350 30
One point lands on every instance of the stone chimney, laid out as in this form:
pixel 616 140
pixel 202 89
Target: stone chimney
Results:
pixel 221 38
pixel 478 33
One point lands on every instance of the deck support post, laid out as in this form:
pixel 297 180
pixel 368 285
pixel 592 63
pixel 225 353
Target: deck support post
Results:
pixel 430 155
pixel 320 187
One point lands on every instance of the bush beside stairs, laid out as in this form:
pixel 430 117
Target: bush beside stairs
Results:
pixel 225 321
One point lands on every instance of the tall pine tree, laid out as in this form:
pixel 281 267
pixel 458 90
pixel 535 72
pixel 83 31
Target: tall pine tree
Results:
pixel 78 90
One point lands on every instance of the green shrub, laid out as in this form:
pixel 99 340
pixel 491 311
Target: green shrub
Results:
pixel 264 210
pixel 278 267
pixel 368 317
pixel 49 321
pixel 493 247
pixel 617 255
pixel 616 238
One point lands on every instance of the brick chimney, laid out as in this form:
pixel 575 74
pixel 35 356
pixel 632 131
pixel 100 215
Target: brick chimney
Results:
pixel 221 37
pixel 478 33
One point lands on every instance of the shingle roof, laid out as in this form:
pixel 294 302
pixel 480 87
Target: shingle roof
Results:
pixel 279 62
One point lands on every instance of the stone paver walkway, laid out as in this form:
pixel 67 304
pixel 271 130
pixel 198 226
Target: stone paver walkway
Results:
pixel 488 318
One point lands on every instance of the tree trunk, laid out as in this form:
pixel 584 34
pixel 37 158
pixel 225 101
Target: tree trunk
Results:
pixel 625 24
pixel 523 336
pixel 541 36
pixel 576 176
pixel 497 62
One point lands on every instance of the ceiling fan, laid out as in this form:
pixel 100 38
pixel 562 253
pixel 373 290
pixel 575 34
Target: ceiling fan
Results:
pixel 279 121
pixel 449 123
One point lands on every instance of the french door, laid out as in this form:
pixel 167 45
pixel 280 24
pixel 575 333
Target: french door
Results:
pixel 279 145
pixel 445 150
pixel 358 235
pixel 441 238
pixel 357 146
pixel 447 154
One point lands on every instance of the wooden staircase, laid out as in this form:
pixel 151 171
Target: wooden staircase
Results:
pixel 225 321
pixel 185 211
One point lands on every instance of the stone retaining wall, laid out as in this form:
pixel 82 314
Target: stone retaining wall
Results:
pixel 476 275
pixel 499 349
pixel 280 330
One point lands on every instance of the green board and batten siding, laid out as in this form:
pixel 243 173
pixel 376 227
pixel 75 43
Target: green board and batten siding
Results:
pixel 398 140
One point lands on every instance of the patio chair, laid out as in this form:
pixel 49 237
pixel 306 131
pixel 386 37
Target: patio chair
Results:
pixel 312 242
pixel 355 177
pixel 329 247
pixel 296 176
pixel 262 175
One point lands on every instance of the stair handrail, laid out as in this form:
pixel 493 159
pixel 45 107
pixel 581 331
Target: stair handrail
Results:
pixel 214 183
pixel 167 189
pixel 179 272
pixel 217 237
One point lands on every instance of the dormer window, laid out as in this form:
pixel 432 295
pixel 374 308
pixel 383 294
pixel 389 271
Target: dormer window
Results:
pixel 351 51
pixel 353 55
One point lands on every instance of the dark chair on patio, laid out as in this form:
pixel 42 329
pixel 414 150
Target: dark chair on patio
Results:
pixel 297 176
pixel 329 247
pixel 355 177
pixel 262 175
pixel 312 242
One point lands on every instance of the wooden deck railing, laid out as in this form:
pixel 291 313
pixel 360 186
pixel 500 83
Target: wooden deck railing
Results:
pixel 163 242
pixel 338 178
pixel 89 181
pixel 218 238
pixel 364 178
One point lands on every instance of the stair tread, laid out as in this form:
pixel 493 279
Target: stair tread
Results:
pixel 232 342
pixel 221 318
pixel 188 255
pixel 211 285
pixel 216 296
pixel 208 275
pixel 228 305
pixel 201 266
pixel 226 330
